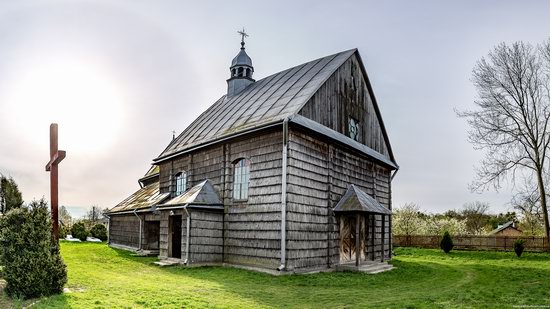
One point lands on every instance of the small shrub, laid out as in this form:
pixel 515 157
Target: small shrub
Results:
pixel 32 266
pixel 519 247
pixel 99 231
pixel 63 232
pixel 79 231
pixel 446 243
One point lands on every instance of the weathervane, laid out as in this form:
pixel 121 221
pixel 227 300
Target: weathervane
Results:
pixel 243 35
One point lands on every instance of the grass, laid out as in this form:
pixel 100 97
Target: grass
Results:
pixel 102 277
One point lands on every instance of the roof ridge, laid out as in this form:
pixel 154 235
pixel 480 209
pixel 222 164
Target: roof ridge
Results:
pixel 267 101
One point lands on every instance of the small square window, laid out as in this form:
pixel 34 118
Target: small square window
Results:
pixel 353 128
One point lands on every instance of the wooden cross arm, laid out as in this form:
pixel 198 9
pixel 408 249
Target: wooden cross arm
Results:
pixel 57 157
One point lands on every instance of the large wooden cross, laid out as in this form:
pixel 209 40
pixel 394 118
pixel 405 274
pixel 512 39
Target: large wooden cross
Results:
pixel 56 156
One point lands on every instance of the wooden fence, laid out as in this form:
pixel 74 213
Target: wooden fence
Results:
pixel 468 242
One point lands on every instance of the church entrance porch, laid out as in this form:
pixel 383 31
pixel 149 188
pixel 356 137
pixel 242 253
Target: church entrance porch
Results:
pixel 174 230
pixel 364 232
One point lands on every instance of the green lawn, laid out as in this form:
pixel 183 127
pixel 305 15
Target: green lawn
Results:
pixel 102 277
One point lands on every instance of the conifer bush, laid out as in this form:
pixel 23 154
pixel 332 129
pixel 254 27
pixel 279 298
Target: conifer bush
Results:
pixel 99 231
pixel 446 243
pixel 78 230
pixel 32 265
pixel 519 247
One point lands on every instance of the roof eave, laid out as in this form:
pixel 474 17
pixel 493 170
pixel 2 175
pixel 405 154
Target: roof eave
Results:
pixel 341 138
pixel 218 140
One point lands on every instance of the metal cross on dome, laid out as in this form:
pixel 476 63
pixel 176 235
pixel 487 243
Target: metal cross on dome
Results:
pixel 243 35
pixel 56 156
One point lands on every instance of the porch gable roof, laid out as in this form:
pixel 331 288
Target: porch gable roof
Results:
pixel 355 200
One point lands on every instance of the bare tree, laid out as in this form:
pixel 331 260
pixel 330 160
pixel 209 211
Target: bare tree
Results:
pixel 94 214
pixel 475 215
pixel 513 116
pixel 65 217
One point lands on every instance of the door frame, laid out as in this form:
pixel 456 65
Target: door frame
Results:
pixel 171 232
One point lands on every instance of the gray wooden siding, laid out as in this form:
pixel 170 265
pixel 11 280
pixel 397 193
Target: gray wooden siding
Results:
pixel 149 217
pixel 206 237
pixel 206 163
pixel 345 94
pixel 253 228
pixel 319 173
pixel 124 230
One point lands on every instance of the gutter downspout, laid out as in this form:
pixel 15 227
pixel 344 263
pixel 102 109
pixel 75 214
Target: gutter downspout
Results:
pixel 187 229
pixel 394 173
pixel 140 227
pixel 283 196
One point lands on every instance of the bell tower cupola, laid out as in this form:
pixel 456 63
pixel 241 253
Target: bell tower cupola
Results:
pixel 241 70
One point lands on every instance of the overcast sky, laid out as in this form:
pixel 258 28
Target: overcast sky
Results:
pixel 119 76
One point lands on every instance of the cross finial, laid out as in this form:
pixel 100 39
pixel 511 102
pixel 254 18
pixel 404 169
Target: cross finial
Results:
pixel 243 35
pixel 173 135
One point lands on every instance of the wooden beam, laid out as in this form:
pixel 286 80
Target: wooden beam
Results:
pixel 383 236
pixel 373 235
pixel 357 239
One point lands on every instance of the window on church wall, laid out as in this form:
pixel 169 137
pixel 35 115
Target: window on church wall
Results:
pixel 353 128
pixel 181 183
pixel 240 72
pixel 241 179
pixel 247 72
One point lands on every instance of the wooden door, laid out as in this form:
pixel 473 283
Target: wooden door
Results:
pixel 175 235
pixel 347 239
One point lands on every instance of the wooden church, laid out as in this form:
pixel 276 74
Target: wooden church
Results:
pixel 291 172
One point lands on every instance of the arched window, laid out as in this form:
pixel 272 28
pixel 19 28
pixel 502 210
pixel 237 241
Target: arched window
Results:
pixel 181 183
pixel 240 72
pixel 241 178
pixel 248 73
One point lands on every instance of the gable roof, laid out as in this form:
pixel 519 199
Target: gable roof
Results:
pixel 142 198
pixel 501 228
pixel 355 200
pixel 202 195
pixel 267 101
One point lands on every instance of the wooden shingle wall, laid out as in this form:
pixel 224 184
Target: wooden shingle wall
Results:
pixel 147 242
pixel 253 227
pixel 124 230
pixel 319 173
pixel 345 94
pixel 206 237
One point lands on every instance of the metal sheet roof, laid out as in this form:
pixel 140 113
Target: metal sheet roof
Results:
pixel 202 194
pixel 355 200
pixel 268 100
pixel 143 198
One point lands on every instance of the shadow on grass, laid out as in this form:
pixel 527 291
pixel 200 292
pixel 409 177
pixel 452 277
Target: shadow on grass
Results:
pixel 331 288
